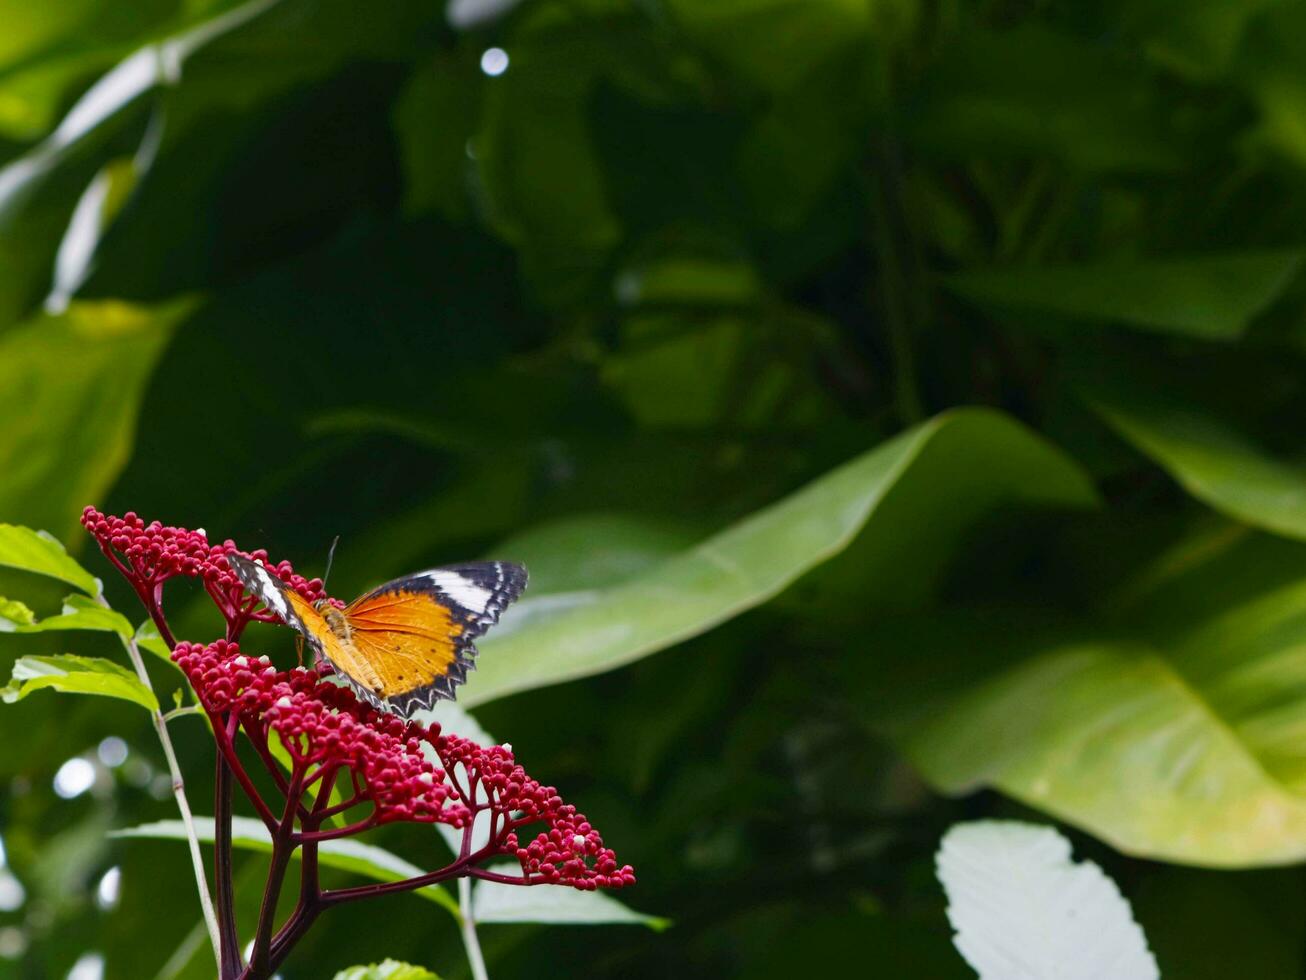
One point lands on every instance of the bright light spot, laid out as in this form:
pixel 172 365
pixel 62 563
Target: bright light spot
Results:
pixel 494 62
pixel 89 967
pixel 13 942
pixel 74 778
pixel 106 893
pixel 112 751
pixel 465 14
pixel 12 894
pixel 3 858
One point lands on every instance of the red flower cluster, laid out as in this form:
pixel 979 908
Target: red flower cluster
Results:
pixel 327 732
pixel 347 759
pixel 150 554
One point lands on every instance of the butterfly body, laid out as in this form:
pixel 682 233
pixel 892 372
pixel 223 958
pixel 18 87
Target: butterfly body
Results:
pixel 406 644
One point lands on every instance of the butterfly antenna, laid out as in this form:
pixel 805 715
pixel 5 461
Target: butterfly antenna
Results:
pixel 331 554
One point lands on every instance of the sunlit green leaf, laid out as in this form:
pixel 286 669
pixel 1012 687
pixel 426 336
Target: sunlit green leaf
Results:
pixel 36 551
pixel 343 855
pixel 14 613
pixel 1213 297
pixel 148 639
pixel 574 635
pixel 72 674
pixel 70 389
pixel 1172 730
pixel 79 613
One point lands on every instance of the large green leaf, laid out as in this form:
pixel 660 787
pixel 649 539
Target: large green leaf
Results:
pixel 981 457
pixel 1174 731
pixel 1212 297
pixel 42 553
pixel 70 389
pixel 343 855
pixel 1210 458
pixel 79 613
pixel 72 674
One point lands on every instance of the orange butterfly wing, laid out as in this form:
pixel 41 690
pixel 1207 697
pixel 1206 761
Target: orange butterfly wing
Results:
pixel 406 644
pixel 408 638
pixel 416 633
pixel 348 660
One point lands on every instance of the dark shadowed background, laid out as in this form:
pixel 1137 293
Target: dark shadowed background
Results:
pixel 584 283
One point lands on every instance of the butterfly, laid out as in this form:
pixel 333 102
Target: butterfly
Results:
pixel 405 644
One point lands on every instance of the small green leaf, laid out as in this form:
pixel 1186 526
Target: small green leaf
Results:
pixel 76 675
pixel 387 970
pixel 14 613
pixel 79 613
pixel 42 553
pixel 148 639
pixel 495 902
pixel 1212 298
pixel 343 855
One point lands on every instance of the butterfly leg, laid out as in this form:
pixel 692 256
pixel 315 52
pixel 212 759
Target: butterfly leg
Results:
pixel 299 649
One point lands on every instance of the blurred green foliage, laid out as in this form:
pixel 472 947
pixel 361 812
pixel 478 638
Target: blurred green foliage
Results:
pixel 926 379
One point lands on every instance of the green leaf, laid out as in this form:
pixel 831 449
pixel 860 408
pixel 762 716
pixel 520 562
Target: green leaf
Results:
pixel 1210 298
pixel 494 902
pixel 70 390
pixel 1209 457
pixel 148 639
pixel 443 98
pixel 588 551
pixel 386 970
pixel 79 613
pixel 72 674
pixel 343 855
pixel 1022 908
pixel 1172 731
pixel 773 44
pixel 981 457
pixel 14 613
pixel 39 552
pixel 1031 91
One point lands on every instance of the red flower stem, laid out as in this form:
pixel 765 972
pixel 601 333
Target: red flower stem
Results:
pixel 293 931
pixel 259 740
pixel 283 848
pixel 231 961
pixel 224 733
pixel 317 836
pixel 328 812
pixel 504 879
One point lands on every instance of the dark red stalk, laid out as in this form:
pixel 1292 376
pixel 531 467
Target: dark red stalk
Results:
pixel 231 959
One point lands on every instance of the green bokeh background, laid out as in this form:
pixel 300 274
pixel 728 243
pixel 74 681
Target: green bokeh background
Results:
pixel 298 269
